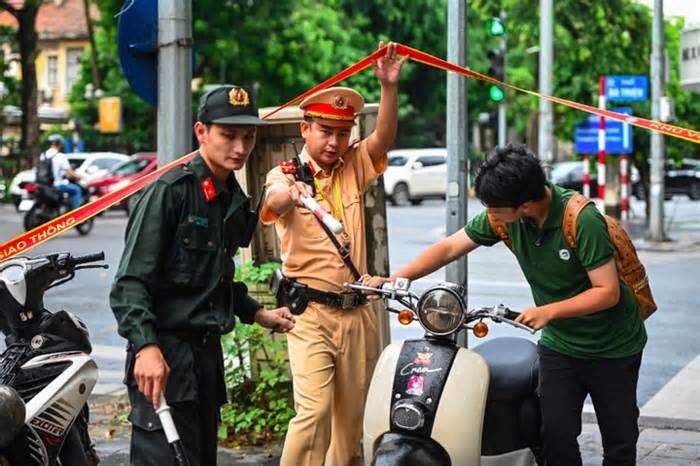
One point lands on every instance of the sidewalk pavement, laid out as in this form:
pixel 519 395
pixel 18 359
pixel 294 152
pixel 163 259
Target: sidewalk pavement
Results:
pixel 661 442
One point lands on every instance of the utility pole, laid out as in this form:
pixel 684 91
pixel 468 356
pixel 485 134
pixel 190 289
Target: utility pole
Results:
pixel 174 79
pixel 502 124
pixel 545 127
pixel 457 143
pixel 656 192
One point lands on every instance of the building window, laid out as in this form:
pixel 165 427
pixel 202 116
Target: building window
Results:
pixel 52 70
pixel 73 56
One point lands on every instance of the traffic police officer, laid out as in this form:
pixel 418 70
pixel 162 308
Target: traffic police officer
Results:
pixel 174 294
pixel 334 347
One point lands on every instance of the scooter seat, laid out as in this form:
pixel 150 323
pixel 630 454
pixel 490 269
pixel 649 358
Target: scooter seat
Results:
pixel 512 417
pixel 513 364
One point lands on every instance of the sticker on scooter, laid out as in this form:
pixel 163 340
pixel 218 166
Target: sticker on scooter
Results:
pixel 423 359
pixel 415 385
pixel 412 368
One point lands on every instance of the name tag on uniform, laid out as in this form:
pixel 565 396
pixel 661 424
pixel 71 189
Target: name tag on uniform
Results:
pixel 199 221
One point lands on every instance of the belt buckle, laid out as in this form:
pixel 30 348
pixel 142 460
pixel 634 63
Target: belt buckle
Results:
pixel 348 300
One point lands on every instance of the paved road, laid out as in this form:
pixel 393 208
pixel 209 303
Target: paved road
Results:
pixel 494 277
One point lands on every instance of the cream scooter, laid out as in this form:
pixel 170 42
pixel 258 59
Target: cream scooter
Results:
pixel 433 403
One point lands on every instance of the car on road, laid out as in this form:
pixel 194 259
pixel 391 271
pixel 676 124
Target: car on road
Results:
pixel 679 178
pixel 569 175
pixel 682 177
pixel 137 166
pixel 92 165
pixel 415 174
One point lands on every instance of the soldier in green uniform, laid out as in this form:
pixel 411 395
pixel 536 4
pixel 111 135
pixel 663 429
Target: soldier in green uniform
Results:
pixel 174 294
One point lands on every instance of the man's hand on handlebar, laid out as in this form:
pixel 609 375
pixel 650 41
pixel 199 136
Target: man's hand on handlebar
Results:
pixel 373 282
pixel 535 317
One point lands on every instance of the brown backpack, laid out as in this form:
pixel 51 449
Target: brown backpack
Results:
pixel 629 267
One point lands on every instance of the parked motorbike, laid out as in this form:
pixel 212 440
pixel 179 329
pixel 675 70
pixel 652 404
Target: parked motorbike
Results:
pixel 47 203
pixel 46 373
pixel 431 402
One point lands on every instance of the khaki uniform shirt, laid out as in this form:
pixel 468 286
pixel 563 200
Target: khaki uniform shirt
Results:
pixel 307 253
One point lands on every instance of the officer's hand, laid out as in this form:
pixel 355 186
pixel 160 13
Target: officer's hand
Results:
pixel 387 68
pixel 151 373
pixel 297 190
pixel 373 282
pixel 279 320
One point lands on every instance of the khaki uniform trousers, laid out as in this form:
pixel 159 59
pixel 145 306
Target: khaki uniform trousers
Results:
pixel 332 354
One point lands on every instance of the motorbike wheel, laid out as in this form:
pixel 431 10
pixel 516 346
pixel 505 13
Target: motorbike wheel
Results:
pixel 32 219
pixel 85 227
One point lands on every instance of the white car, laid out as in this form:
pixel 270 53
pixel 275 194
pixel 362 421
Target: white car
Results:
pixel 415 174
pixel 92 165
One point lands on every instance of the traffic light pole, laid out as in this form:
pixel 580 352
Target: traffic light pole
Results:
pixel 502 128
pixel 656 193
pixel 457 130
pixel 546 123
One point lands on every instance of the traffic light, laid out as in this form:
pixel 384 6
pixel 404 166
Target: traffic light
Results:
pixel 496 71
pixel 496 27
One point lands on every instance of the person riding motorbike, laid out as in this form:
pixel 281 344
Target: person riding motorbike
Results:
pixel 60 173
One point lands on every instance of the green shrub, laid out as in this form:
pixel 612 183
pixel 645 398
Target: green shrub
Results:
pixel 260 406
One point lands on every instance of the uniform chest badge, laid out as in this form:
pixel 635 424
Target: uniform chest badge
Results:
pixel 564 254
pixel 208 189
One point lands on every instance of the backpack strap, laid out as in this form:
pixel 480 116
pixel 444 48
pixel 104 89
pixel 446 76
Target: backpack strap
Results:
pixel 501 230
pixel 573 208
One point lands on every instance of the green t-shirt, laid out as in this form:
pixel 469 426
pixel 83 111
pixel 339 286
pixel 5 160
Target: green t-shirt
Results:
pixel 555 273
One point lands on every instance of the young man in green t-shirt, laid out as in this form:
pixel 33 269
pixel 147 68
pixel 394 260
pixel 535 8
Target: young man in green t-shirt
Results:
pixel 592 334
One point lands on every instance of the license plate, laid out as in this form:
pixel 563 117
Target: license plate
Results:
pixel 26 205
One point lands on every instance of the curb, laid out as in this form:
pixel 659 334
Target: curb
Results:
pixel 652 422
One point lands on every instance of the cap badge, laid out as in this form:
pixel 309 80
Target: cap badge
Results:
pixel 339 102
pixel 238 97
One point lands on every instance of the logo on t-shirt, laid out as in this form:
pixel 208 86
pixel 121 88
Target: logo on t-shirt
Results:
pixel 564 254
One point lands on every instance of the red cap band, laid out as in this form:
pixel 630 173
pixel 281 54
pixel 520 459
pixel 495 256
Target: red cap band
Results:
pixel 329 112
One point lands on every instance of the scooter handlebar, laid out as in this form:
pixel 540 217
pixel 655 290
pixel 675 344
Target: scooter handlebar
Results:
pixel 77 260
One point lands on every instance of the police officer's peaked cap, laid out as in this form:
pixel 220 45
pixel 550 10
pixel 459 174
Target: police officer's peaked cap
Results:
pixel 229 105
pixel 335 106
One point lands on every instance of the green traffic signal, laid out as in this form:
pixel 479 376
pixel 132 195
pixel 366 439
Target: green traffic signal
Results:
pixel 496 93
pixel 496 27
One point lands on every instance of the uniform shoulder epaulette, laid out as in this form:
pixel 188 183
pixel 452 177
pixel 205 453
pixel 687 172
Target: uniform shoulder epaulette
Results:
pixel 176 174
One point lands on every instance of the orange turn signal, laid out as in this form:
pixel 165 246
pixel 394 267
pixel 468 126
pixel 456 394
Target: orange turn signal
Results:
pixel 480 330
pixel 405 317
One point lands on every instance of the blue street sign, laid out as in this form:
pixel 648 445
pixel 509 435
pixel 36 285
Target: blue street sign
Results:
pixel 627 88
pixel 137 41
pixel 618 135
pixel 138 47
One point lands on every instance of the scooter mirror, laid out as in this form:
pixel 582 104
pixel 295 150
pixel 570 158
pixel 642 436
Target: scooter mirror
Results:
pixel 12 412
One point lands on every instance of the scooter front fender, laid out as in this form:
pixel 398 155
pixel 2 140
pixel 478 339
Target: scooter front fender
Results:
pixel 459 416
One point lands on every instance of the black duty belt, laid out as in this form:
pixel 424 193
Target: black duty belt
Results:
pixel 196 337
pixel 337 300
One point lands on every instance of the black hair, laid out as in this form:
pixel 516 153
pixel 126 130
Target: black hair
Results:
pixel 509 177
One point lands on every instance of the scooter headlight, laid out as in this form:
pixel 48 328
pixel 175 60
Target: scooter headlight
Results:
pixel 441 309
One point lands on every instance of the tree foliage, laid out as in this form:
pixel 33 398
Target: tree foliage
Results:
pixel 284 48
